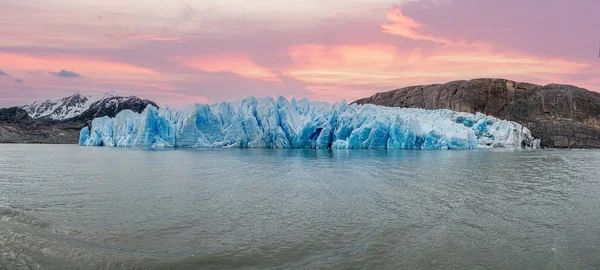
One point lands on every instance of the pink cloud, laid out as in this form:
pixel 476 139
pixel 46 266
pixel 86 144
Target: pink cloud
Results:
pixel 407 27
pixel 357 70
pixel 78 63
pixel 236 63
pixel 144 36
pixel 404 26
pixel 178 100
pixel 337 56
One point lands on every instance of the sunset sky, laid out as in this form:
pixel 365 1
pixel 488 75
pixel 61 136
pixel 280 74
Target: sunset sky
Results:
pixel 182 52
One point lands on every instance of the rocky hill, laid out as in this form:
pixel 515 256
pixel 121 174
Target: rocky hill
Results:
pixel 562 116
pixel 60 121
pixel 16 126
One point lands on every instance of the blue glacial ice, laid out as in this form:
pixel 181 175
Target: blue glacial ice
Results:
pixel 279 123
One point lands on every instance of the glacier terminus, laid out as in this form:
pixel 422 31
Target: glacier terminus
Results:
pixel 281 123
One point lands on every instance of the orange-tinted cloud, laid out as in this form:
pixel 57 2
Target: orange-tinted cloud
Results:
pixel 408 28
pixel 358 69
pixel 236 63
pixel 350 64
pixel 83 64
pixel 78 73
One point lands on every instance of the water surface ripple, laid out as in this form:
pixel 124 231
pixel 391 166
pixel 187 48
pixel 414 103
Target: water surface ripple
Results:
pixel 69 207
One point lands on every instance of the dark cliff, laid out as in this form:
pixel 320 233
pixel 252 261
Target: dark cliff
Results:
pixel 562 116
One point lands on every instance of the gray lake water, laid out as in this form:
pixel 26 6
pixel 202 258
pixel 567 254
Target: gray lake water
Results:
pixel 70 207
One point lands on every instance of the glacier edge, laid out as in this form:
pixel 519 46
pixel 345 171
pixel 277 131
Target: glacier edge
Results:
pixel 279 123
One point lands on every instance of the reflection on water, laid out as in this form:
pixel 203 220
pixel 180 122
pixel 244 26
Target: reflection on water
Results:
pixel 71 207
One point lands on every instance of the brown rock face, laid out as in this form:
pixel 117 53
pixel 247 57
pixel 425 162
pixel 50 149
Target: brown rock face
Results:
pixel 562 116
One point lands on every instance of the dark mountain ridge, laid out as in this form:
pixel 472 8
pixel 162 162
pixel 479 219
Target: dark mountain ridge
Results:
pixel 111 107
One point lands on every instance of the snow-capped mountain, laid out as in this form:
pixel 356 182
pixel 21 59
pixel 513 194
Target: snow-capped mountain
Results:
pixel 84 106
pixel 63 108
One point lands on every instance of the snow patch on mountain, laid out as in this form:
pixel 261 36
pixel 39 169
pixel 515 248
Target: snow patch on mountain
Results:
pixel 64 108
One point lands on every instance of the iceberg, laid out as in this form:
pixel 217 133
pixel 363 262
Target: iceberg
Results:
pixel 281 123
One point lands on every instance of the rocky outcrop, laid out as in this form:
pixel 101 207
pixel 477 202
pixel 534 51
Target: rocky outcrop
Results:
pixel 13 115
pixel 16 126
pixel 561 116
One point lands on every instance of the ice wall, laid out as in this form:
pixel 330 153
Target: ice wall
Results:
pixel 279 123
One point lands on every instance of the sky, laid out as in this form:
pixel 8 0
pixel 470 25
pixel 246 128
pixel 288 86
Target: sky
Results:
pixel 203 51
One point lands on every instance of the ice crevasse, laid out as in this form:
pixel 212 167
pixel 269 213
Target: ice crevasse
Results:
pixel 279 123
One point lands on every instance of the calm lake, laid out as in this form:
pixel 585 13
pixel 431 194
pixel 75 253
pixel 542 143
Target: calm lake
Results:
pixel 71 207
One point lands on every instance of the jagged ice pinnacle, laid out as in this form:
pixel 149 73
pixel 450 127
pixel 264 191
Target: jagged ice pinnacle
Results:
pixel 269 123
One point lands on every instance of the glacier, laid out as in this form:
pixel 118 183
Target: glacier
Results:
pixel 281 123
